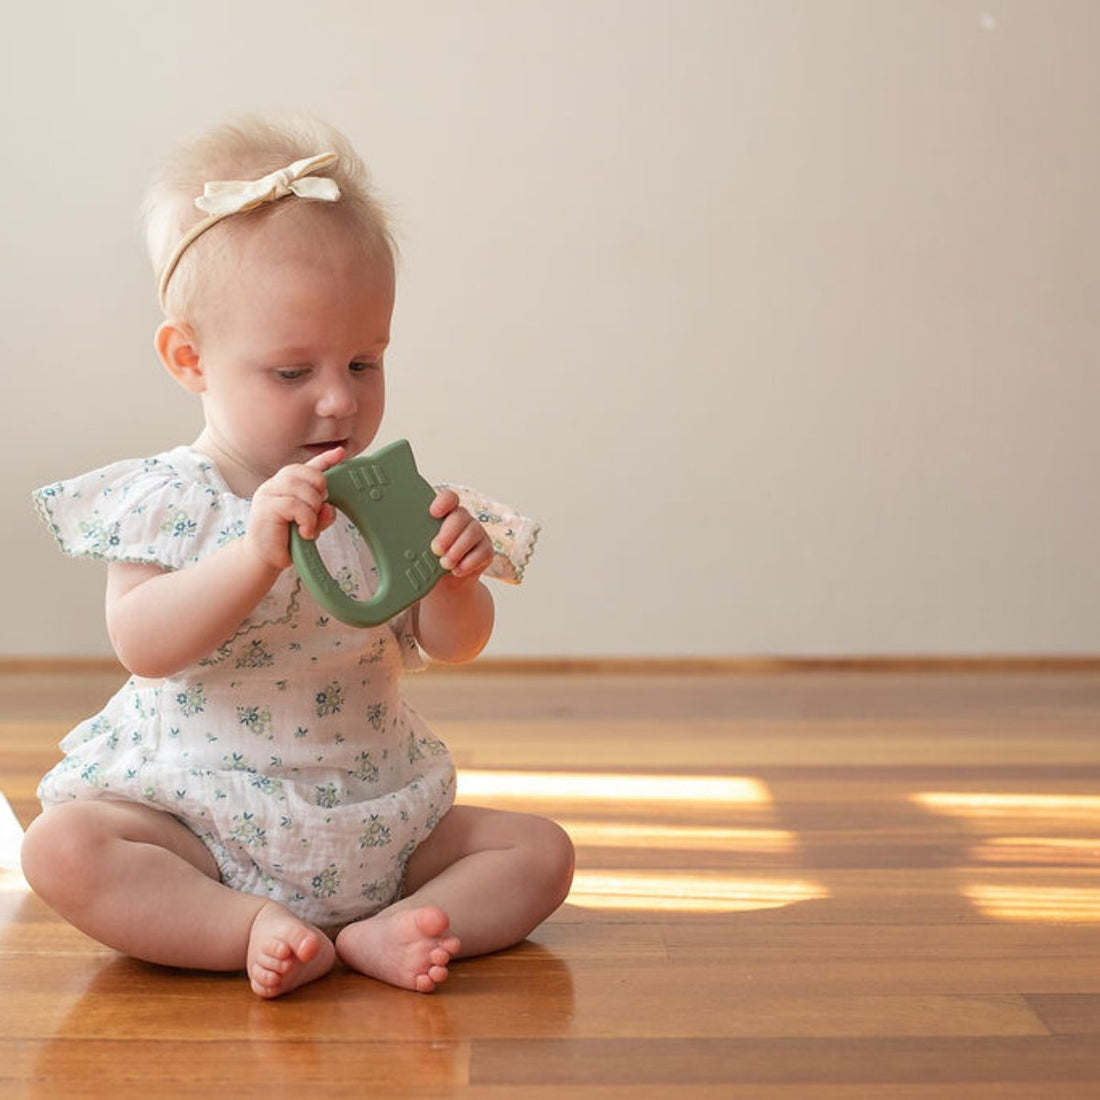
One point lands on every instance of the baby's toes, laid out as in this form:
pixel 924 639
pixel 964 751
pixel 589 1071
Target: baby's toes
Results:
pixel 277 963
pixel 264 982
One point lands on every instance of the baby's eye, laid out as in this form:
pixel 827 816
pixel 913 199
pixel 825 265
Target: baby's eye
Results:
pixel 359 366
pixel 290 374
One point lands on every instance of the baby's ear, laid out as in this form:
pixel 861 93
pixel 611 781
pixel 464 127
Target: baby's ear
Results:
pixel 178 351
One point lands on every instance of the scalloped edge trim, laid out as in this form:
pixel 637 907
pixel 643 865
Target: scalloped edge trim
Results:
pixel 43 506
pixel 529 543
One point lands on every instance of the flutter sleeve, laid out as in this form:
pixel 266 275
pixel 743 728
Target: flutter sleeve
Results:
pixel 168 511
pixel 513 535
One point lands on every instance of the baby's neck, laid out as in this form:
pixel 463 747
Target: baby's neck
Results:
pixel 242 480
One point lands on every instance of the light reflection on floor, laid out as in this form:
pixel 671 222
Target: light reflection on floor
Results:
pixel 612 787
pixel 696 838
pixel 1047 843
pixel 687 892
pixel 1050 904
pixel 649 815
pixel 646 813
pixel 986 804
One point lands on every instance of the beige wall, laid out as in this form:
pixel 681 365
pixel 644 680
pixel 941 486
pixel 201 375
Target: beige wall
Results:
pixel 781 314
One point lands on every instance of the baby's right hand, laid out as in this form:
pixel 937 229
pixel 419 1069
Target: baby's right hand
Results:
pixel 296 494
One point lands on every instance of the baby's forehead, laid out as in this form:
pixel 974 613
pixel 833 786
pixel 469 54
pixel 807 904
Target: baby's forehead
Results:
pixel 305 228
pixel 298 238
pixel 292 264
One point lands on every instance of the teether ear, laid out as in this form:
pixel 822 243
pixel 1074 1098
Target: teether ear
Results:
pixel 385 497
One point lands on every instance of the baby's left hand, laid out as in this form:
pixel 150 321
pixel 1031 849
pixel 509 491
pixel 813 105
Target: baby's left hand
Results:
pixel 463 547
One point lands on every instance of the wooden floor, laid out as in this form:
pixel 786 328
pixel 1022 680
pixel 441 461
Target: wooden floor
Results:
pixel 799 885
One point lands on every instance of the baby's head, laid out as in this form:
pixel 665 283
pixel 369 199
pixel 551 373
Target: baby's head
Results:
pixel 248 150
pixel 278 292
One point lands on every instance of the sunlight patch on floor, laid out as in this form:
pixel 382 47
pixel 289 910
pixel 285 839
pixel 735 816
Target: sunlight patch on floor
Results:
pixel 695 838
pixel 612 787
pixel 1049 904
pixel 630 812
pixel 990 804
pixel 687 892
pixel 11 836
pixel 1056 859
pixel 1056 851
pixel 13 882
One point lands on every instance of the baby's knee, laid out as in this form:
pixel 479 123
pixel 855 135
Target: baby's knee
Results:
pixel 58 850
pixel 555 856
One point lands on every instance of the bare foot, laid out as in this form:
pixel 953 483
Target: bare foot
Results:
pixel 409 948
pixel 285 952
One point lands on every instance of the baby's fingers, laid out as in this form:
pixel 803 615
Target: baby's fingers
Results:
pixel 462 545
pixel 294 495
pixel 446 501
pixel 327 459
pixel 307 515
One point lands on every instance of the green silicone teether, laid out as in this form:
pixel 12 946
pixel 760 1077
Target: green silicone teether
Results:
pixel 385 497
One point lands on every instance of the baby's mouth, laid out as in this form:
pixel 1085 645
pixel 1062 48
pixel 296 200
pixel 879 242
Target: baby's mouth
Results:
pixel 327 445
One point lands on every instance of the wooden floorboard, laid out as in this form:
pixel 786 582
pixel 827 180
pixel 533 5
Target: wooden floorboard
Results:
pixel 791 884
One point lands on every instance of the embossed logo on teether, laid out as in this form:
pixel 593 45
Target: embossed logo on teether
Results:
pixel 370 479
pixel 423 569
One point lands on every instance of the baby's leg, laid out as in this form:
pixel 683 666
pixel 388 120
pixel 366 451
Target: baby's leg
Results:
pixel 140 881
pixel 482 881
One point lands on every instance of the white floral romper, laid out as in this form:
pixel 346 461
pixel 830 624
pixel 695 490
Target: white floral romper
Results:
pixel 289 750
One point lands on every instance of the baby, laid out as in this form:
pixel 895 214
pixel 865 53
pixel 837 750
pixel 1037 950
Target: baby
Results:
pixel 258 795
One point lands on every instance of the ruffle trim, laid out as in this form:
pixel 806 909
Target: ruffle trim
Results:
pixel 513 535
pixel 168 511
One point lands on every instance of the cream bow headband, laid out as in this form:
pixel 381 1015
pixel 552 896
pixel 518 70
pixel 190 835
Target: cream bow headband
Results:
pixel 222 198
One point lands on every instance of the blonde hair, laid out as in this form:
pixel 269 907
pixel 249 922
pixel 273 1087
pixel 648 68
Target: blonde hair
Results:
pixel 246 149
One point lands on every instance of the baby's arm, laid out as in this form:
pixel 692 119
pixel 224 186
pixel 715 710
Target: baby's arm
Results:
pixel 161 621
pixel 454 621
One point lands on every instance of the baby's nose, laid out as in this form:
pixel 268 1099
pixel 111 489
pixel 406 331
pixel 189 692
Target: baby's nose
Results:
pixel 336 400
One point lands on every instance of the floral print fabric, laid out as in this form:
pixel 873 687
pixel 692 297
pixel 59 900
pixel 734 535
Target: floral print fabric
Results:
pixel 289 750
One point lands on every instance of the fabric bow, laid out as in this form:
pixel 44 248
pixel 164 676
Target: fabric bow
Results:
pixel 222 197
